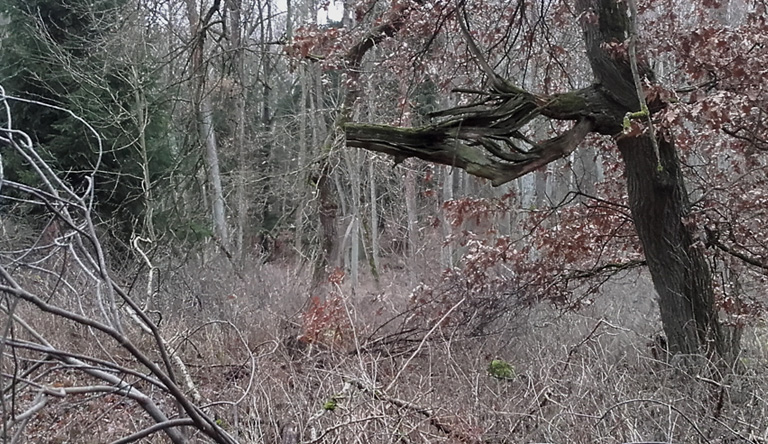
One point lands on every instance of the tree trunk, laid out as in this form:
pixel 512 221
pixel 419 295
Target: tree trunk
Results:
pixel 206 130
pixel 214 172
pixel 374 230
pixel 264 196
pixel 238 62
pixel 353 164
pixel 412 222
pixel 446 249
pixel 328 214
pixel 301 174
pixel 680 273
pixel 142 120
pixel 657 195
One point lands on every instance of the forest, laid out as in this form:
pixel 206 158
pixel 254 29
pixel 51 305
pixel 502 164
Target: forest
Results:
pixel 383 221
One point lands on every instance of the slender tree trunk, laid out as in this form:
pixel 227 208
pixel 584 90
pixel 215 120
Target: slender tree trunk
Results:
pixel 146 183
pixel 374 241
pixel 446 249
pixel 541 199
pixel 238 62
pixel 214 172
pixel 301 174
pixel 289 17
pixel 206 128
pixel 352 159
pixel 412 227
pixel 586 171
pixel 265 195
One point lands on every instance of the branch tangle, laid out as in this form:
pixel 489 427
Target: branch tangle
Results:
pixel 484 137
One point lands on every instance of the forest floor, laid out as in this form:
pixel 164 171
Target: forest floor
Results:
pixel 279 366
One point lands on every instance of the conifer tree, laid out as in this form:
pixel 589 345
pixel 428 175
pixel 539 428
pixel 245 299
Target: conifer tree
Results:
pixel 76 54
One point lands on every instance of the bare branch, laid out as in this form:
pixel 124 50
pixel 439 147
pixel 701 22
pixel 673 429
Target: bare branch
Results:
pixel 154 429
pixel 440 146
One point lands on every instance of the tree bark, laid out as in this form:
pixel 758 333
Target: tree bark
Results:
pixel 204 109
pixel 328 215
pixel 238 62
pixel 412 219
pixel 446 249
pixel 301 191
pixel 659 204
pixel 658 198
pixel 374 237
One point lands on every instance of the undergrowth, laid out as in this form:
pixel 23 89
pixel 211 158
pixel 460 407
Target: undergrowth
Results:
pixel 380 366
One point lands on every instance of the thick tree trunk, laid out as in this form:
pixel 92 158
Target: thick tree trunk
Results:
pixel 659 203
pixel 657 195
pixel 328 214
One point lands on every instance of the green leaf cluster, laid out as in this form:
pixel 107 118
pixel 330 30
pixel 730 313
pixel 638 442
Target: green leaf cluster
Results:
pixel 501 369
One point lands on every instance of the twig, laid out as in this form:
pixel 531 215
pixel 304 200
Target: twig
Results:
pixel 180 365
pixel 154 429
pixel 423 341
pixel 344 424
pixel 433 420
pixel 653 401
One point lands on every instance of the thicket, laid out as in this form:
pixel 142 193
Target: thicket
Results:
pixel 338 295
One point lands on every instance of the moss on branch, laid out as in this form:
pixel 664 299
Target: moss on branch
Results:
pixel 439 145
pixel 571 103
pixel 485 137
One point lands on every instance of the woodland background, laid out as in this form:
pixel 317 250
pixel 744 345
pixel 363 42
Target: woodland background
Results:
pixel 191 253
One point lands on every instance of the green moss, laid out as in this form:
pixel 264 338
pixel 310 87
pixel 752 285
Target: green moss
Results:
pixel 332 402
pixel 570 103
pixel 330 405
pixel 501 369
pixel 629 117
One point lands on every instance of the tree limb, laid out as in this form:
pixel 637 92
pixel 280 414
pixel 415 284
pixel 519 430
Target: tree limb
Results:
pixel 154 429
pixel 437 145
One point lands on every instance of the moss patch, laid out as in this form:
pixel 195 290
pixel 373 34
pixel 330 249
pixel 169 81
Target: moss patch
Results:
pixel 501 369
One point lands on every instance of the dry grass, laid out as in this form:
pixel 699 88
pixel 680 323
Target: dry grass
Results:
pixel 586 377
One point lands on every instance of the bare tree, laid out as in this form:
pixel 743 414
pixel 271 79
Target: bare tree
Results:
pixel 198 27
pixel 64 278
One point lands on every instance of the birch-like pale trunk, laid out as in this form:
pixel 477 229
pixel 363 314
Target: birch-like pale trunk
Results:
pixel 206 128
pixel 238 62
pixel 410 209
